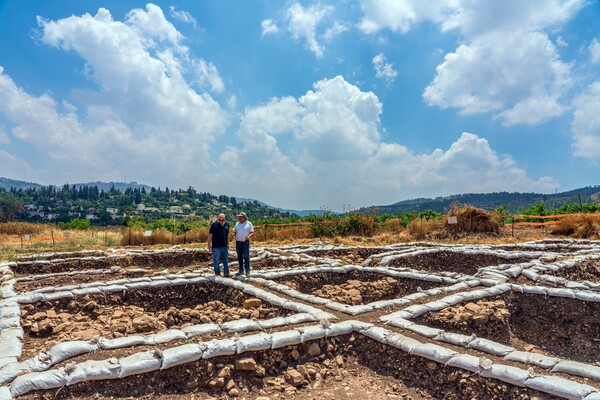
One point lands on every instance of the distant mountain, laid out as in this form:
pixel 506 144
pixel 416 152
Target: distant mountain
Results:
pixel 6 183
pixel 301 213
pixel 512 201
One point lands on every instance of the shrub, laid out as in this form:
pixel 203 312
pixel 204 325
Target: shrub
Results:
pixel 21 228
pixel 75 224
pixel 472 220
pixel 582 227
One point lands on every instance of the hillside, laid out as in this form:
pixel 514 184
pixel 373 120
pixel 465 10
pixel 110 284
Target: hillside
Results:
pixel 514 202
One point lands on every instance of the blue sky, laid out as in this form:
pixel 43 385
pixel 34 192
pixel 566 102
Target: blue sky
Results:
pixel 303 104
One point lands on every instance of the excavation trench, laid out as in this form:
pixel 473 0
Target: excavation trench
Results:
pixel 355 287
pixel 557 326
pixel 350 366
pixel 467 264
pixel 137 312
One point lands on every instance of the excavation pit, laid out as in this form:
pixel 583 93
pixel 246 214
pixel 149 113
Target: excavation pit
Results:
pixel 342 367
pixel 588 270
pixel 463 263
pixel 138 312
pixel 557 326
pixel 145 260
pixel 355 287
pixel 355 254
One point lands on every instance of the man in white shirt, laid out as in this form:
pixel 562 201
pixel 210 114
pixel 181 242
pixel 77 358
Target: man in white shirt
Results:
pixel 243 231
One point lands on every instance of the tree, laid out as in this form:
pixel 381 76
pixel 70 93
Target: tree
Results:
pixel 10 207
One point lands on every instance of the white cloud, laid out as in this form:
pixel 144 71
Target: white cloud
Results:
pixel 334 154
pixel 208 74
pixel 505 65
pixel 594 51
pixel 303 22
pixel 144 113
pixel 586 123
pixel 269 27
pixel 335 30
pixel 383 69
pixel 18 168
pixel 519 77
pixel 183 16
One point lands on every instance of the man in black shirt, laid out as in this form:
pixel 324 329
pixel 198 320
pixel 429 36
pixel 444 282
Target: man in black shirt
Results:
pixel 218 241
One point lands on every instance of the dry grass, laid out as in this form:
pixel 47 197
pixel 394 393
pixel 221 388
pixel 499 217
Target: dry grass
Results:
pixel 581 227
pixel 21 228
pixel 472 220
pixel 283 234
pixel 419 229
pixel 162 236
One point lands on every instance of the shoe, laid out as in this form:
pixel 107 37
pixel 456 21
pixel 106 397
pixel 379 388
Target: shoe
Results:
pixel 226 276
pixel 247 274
pixel 239 274
pixel 217 274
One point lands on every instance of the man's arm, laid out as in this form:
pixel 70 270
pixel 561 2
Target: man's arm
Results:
pixel 251 231
pixel 209 242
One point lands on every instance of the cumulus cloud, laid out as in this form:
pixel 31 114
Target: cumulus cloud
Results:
pixel 594 51
pixel 488 75
pixel 383 69
pixel 269 27
pixel 303 22
pixel 586 123
pixel 332 140
pixel 183 16
pixel 144 113
pixel 505 65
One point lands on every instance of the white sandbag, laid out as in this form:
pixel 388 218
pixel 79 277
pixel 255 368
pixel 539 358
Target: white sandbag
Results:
pixel 5 393
pixel 424 330
pixel 138 285
pixel 360 326
pixel 170 335
pixel 434 352
pixel 86 291
pixel 272 322
pixel 376 333
pixel 416 310
pixel 578 368
pixel 341 328
pixel 532 358
pixel 4 361
pixel 402 342
pixel 12 332
pixel 181 355
pixel 591 396
pixel 506 373
pixel 559 387
pixel 64 351
pixel 38 381
pixel 311 333
pixel 93 370
pixel 240 325
pixel 387 303
pixel 285 338
pixel 10 322
pixel 29 298
pixel 11 347
pixel 140 363
pixel 298 318
pixel 201 329
pixel 401 323
pixel 587 296
pixel 337 306
pixel 359 309
pixel 10 311
pixel 57 296
pixel 558 292
pixel 465 361
pixel 118 343
pixel 491 347
pixel 260 341
pixel 217 348
pixel 455 338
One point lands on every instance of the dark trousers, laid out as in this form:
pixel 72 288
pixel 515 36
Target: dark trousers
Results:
pixel 243 254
